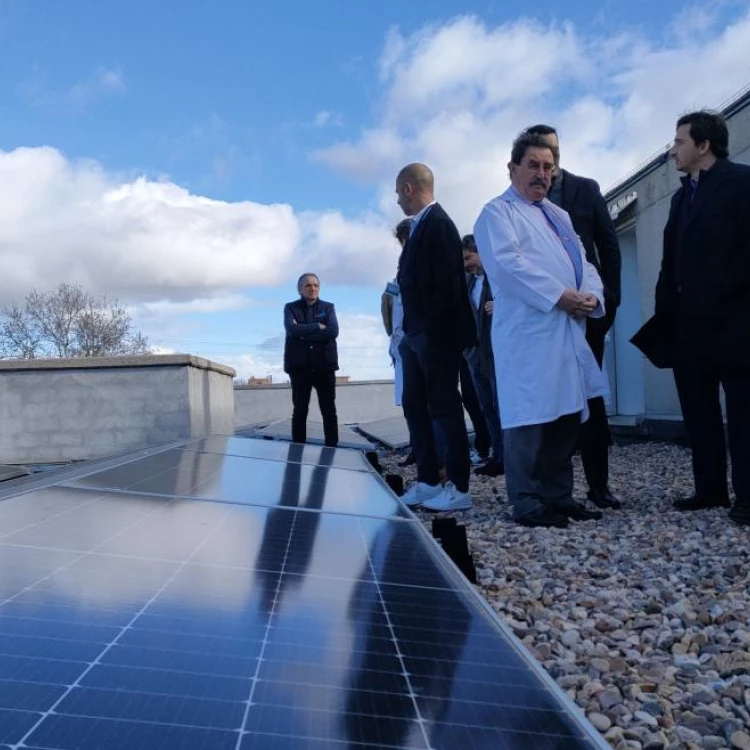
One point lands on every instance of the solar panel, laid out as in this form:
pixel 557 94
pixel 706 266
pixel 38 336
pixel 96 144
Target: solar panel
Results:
pixel 282 430
pixel 393 432
pixel 282 604
pixel 11 472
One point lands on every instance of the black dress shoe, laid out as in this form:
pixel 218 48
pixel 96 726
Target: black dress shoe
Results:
pixel 604 499
pixel 740 514
pixel 543 517
pixel 576 512
pixel 492 468
pixel 701 503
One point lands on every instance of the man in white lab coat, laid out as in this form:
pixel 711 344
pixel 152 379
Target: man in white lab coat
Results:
pixel 544 288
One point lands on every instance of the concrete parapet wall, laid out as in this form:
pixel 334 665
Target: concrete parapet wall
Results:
pixel 58 410
pixel 360 401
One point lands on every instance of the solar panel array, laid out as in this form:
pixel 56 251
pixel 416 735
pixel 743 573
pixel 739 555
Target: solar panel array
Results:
pixel 282 430
pixel 236 594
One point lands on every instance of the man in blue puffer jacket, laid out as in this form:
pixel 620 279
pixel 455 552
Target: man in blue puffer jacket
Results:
pixel 311 358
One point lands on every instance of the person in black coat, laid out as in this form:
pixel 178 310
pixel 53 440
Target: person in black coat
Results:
pixel 703 308
pixel 582 199
pixel 480 360
pixel 438 325
pixel 311 358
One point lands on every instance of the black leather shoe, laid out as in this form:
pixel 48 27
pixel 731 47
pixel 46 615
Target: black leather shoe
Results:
pixel 604 499
pixel 700 503
pixel 576 512
pixel 543 517
pixel 740 514
pixel 492 468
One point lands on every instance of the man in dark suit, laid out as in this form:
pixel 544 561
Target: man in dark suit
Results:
pixel 703 305
pixel 438 326
pixel 480 360
pixel 583 200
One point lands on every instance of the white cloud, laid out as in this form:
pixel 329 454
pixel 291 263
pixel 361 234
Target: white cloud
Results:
pixel 101 82
pixel 362 347
pixel 166 308
pixel 139 239
pixel 325 117
pixel 455 96
pixel 153 241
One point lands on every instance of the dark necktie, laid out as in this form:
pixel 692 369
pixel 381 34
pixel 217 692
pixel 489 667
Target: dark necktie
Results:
pixel 569 244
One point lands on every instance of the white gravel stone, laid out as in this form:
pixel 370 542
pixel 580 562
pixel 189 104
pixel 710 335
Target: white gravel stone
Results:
pixel 600 721
pixel 660 597
pixel 646 718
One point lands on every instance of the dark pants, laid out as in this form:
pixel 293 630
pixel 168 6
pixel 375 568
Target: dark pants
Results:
pixel 486 390
pixel 595 438
pixel 324 382
pixel 539 464
pixel 698 388
pixel 473 406
pixel 433 410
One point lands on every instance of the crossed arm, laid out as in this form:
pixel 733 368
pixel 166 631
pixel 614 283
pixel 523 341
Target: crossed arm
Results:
pixel 311 331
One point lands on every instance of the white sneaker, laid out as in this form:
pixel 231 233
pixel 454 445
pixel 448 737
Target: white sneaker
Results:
pixel 475 458
pixel 449 499
pixel 420 492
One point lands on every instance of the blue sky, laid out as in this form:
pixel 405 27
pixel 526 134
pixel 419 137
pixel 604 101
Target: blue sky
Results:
pixel 201 155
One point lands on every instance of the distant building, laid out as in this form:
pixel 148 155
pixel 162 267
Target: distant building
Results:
pixel 268 380
pixel 639 205
pixel 342 379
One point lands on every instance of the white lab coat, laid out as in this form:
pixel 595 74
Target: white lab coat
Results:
pixel 544 367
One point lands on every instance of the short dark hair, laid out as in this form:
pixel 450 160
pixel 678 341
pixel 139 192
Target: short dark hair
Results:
pixel 524 142
pixel 706 125
pixel 469 244
pixel 402 230
pixel 541 130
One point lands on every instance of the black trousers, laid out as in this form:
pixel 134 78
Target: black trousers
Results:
pixel 595 438
pixel 433 410
pixel 324 382
pixel 482 439
pixel 698 389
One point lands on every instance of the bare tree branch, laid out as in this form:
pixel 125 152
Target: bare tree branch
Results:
pixel 68 322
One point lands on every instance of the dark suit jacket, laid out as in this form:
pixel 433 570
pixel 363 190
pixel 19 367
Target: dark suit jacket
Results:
pixel 583 200
pixel 433 284
pixel 703 291
pixel 484 326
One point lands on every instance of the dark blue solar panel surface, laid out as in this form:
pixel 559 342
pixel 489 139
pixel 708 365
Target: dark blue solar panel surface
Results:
pixel 218 596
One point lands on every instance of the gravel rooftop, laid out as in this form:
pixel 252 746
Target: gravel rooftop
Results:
pixel 643 618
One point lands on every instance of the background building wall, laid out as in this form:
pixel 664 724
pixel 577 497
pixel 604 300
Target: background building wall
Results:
pixel 358 401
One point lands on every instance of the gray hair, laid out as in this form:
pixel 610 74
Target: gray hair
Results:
pixel 303 277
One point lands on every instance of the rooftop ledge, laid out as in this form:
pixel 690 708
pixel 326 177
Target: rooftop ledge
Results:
pixel 88 363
